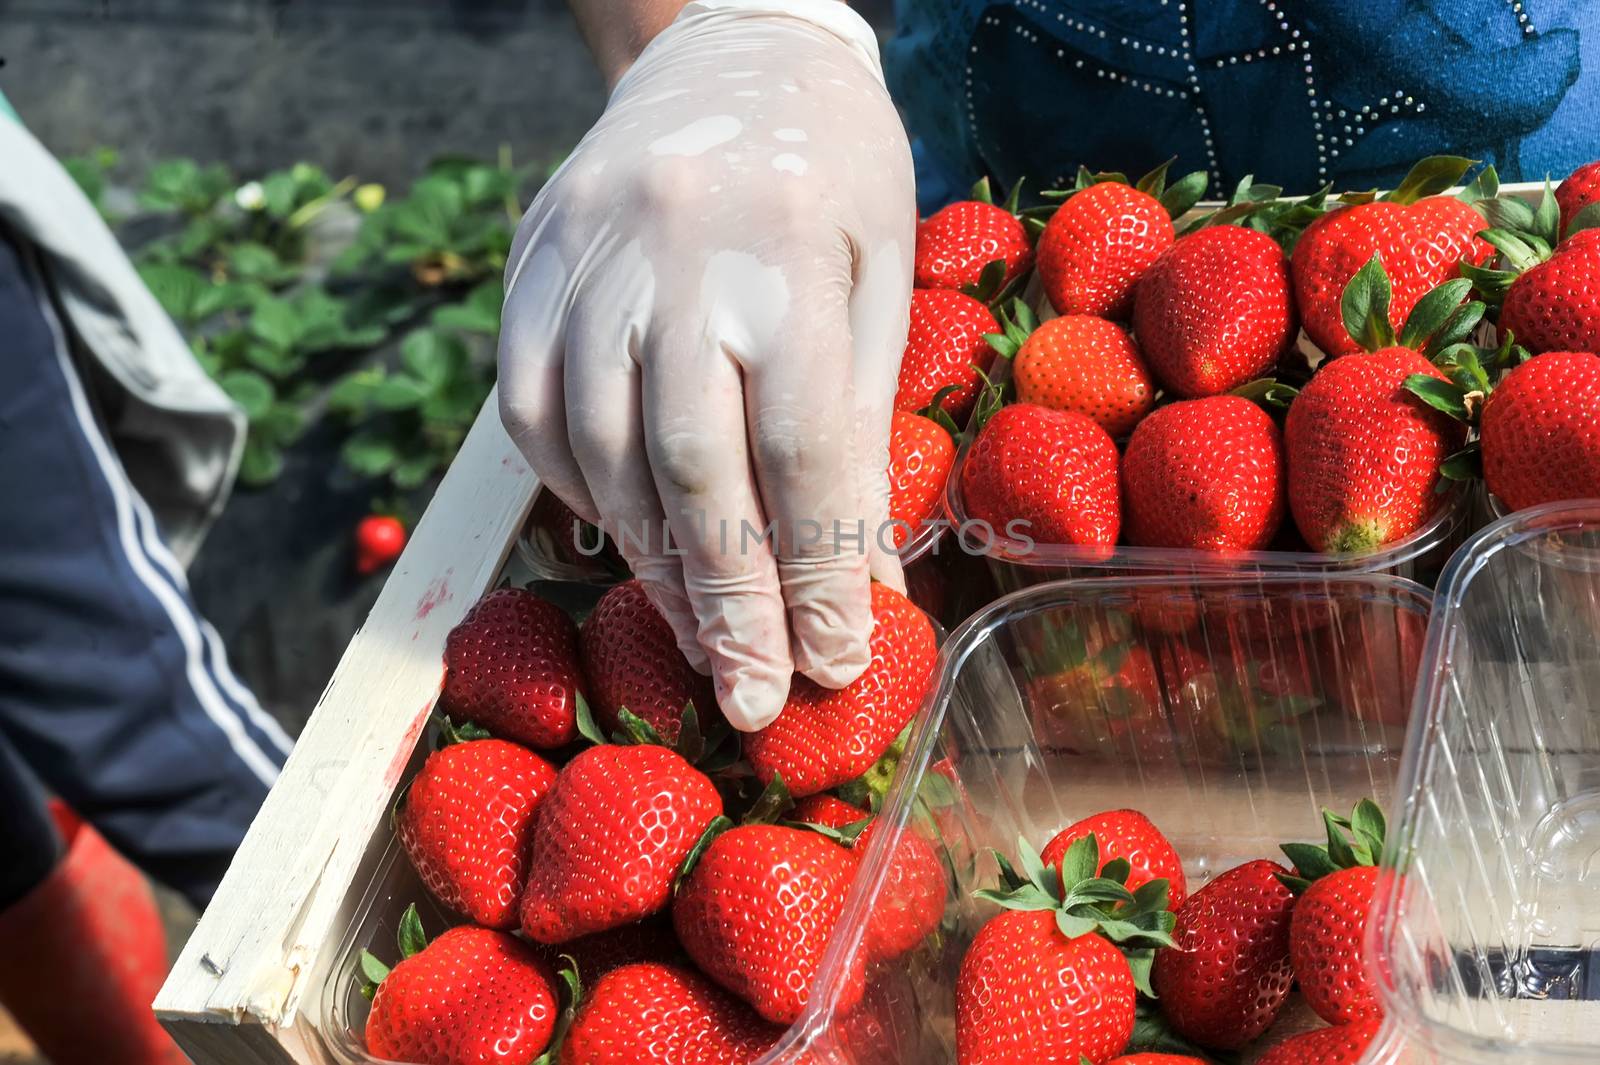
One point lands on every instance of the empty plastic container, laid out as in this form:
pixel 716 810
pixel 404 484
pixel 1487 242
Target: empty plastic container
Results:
pixel 1487 943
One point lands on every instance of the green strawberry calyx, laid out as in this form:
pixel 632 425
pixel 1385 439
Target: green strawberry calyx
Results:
pixel 410 938
pixel 1084 901
pixel 451 733
pixel 712 749
pixel 571 994
pixel 991 287
pixel 1441 319
pixel 1353 842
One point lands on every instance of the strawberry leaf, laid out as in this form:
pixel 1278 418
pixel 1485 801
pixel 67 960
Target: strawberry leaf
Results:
pixel 1155 182
pixel 1522 250
pixel 1368 823
pixel 1488 282
pixel 1486 186
pixel 1588 218
pixel 1080 862
pixel 1013 196
pixel 691 743
pixel 989 283
pixel 1508 212
pixel 412 939
pixel 1311 861
pixel 1267 392
pixel 715 828
pixel 1096 889
pixel 1032 865
pixel 1464 465
pixel 1547 217
pixel 1365 306
pixel 636 729
pixel 373 972
pixel 587 727
pixel 1179 199
pixel 571 995
pixel 773 802
pixel 1432 311
pixel 1117 870
pixel 1073 926
pixel 981 191
pixel 1430 177
pixel 1026 897
pixel 1339 849
pixel 1455 329
pixel 936 413
pixel 1140 962
pixel 1440 395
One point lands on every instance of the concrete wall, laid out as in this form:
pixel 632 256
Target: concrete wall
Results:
pixel 367 87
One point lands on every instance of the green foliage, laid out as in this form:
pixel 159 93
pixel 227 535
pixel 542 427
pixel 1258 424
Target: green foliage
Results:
pixel 302 295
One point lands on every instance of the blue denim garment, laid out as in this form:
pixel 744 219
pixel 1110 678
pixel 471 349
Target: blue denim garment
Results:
pixel 1295 92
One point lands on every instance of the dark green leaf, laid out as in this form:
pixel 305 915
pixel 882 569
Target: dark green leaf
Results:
pixel 1072 927
pixel 275 323
pixel 1179 198
pixel 1440 395
pixel 1430 177
pixel 637 728
pixel 1587 218
pixel 1339 849
pixel 414 471
pixel 1456 328
pixel 177 288
pixel 1485 186
pixel 1464 465
pixel 250 390
pixel 1311 862
pixel 1140 963
pixel 1368 821
pixel 1547 217
pixel 717 827
pixel 369 454
pixel 1508 212
pixel 587 726
pixel 773 802
pixel 1432 311
pixel 413 940
pixel 1365 306
pixel 399 392
pixel 1117 870
pixel 1081 861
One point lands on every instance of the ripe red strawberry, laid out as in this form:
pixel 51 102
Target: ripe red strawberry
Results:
pixel 611 836
pixel 1043 981
pixel 914 889
pixel 756 913
pixel 1097 244
pixel 1555 305
pixel 1421 245
pixel 945 346
pixel 1579 190
pixel 466 823
pixel 654 1014
pixel 1327 940
pixel 1130 835
pixel 957 241
pixel 470 996
pixel 1228 977
pixel 379 540
pixel 1236 699
pixel 825 737
pixel 1541 433
pixel 631 660
pixel 1364 453
pixel 920 456
pixel 1045 474
pixel 511 666
pixel 1106 702
pixel 1204 474
pixel 1344 1044
pixel 1088 366
pixel 1157 1059
pixel 1215 311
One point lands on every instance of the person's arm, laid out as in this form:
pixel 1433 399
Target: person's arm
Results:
pixel 617 30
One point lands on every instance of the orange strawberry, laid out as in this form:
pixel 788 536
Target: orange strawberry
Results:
pixel 1344 1044
pixel 654 1014
pixel 611 835
pixel 466 821
pixel 945 347
pixel 1133 837
pixel 756 913
pixel 1579 190
pixel 956 242
pixel 1081 364
pixel 1421 240
pixel 511 666
pixel 1364 454
pixel 1215 311
pixel 1541 432
pixel 631 660
pixel 1204 474
pixel 1097 244
pixel 470 996
pixel 1048 475
pixel 920 456
pixel 823 737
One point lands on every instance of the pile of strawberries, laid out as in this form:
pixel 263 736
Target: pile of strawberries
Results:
pixel 641 884
pixel 1169 402
pixel 1101 955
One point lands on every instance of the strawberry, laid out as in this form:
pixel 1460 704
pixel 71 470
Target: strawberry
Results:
pixel 466 821
pixel 1228 977
pixel 1368 662
pixel 1344 1044
pixel 1108 700
pixel 1540 433
pixel 1364 453
pixel 1327 941
pixel 511 666
pixel 946 347
pixel 379 540
pixel 611 836
pixel 1048 979
pixel 470 996
pixel 1045 474
pixel 1130 835
pixel 1097 244
pixel 1421 242
pixel 1206 475
pixel 1157 1059
pixel 1228 700
pixel 1215 311
pixel 757 910
pixel 956 242
pixel 1081 364
pixel 920 456
pixel 653 1014
pixel 912 898
pixel 824 737
pixel 1554 305
pixel 1579 190
pixel 631 661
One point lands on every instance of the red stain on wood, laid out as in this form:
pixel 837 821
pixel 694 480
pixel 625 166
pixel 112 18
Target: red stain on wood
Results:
pixel 437 592
pixel 402 753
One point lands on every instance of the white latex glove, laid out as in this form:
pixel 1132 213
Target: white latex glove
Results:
pixel 705 311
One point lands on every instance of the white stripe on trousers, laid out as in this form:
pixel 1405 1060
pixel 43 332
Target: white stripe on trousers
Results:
pixel 183 621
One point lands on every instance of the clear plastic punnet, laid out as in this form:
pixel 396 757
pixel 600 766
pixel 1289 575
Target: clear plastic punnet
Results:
pixel 1488 940
pixel 1230 709
pixel 1018 563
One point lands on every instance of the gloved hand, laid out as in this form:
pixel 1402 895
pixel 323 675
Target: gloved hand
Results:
pixel 705 311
